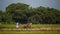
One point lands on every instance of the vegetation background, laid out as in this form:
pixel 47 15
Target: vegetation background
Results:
pixel 22 13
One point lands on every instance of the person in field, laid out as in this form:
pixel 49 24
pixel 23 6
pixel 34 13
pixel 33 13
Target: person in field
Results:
pixel 17 25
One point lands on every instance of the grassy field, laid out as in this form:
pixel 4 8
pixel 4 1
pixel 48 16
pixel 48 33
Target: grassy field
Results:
pixel 33 26
pixel 31 32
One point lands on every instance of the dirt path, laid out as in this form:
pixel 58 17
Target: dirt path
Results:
pixel 30 29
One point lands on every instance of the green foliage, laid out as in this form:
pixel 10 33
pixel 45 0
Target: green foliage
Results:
pixel 22 13
pixel 17 11
pixel 2 17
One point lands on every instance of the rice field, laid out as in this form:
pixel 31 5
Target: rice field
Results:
pixel 12 26
pixel 30 32
pixel 33 26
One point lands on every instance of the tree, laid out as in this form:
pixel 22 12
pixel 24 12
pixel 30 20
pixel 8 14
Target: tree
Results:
pixel 2 17
pixel 22 13
pixel 17 11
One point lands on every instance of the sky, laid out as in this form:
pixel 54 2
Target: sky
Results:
pixel 33 3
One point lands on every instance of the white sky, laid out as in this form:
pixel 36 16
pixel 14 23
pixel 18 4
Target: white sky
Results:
pixel 34 3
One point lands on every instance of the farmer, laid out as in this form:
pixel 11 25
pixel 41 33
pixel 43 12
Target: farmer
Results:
pixel 17 25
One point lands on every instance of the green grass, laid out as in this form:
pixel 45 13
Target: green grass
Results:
pixel 30 32
pixel 33 26
pixel 45 25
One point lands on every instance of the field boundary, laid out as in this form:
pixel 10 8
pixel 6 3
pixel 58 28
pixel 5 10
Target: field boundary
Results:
pixel 30 29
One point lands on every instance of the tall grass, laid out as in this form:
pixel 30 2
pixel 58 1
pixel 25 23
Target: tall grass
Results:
pixel 33 26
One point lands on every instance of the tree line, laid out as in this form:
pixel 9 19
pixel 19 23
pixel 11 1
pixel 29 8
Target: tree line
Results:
pixel 22 13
